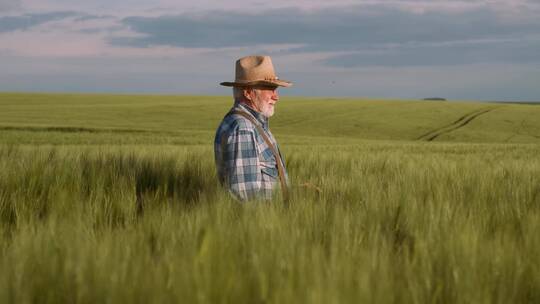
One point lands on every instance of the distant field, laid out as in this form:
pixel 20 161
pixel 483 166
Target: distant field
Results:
pixel 114 199
pixel 94 119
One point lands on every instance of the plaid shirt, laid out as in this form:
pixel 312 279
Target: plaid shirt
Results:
pixel 245 164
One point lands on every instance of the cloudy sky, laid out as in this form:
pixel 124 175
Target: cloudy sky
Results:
pixel 475 49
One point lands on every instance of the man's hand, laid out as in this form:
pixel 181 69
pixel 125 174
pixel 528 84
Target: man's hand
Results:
pixel 310 186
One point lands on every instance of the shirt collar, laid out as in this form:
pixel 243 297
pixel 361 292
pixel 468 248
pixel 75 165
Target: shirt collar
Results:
pixel 258 115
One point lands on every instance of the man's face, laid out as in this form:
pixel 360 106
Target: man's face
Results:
pixel 263 99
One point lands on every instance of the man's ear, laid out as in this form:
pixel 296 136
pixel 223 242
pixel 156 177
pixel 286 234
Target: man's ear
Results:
pixel 246 93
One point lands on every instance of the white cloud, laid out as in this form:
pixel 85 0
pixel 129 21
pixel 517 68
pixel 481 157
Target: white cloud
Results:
pixel 7 6
pixel 145 7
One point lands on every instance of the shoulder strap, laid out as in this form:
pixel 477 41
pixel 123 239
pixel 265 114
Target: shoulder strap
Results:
pixel 281 170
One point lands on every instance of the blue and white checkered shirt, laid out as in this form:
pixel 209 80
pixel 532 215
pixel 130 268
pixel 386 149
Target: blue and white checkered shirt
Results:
pixel 245 164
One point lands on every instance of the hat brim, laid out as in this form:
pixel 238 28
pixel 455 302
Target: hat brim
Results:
pixel 267 83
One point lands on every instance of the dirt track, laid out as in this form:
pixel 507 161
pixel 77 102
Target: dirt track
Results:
pixel 461 122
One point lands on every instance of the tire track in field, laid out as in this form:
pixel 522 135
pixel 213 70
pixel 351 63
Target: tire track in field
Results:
pixel 459 123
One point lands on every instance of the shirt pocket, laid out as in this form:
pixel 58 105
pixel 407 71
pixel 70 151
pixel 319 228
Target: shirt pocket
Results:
pixel 269 169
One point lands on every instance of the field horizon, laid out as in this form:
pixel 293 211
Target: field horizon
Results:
pixel 411 120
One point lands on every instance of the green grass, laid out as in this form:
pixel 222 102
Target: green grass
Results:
pixel 106 119
pixel 114 199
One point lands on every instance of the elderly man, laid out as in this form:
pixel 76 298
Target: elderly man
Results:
pixel 248 159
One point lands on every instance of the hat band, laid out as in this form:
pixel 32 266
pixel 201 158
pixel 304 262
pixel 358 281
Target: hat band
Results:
pixel 258 79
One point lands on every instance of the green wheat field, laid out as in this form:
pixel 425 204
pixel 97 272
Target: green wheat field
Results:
pixel 114 199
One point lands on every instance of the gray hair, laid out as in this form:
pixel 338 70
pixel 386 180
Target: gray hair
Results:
pixel 238 93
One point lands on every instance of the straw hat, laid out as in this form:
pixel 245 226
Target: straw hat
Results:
pixel 255 70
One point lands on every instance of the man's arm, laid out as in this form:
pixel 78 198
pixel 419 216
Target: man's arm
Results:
pixel 242 165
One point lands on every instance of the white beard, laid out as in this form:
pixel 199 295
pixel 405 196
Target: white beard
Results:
pixel 268 110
